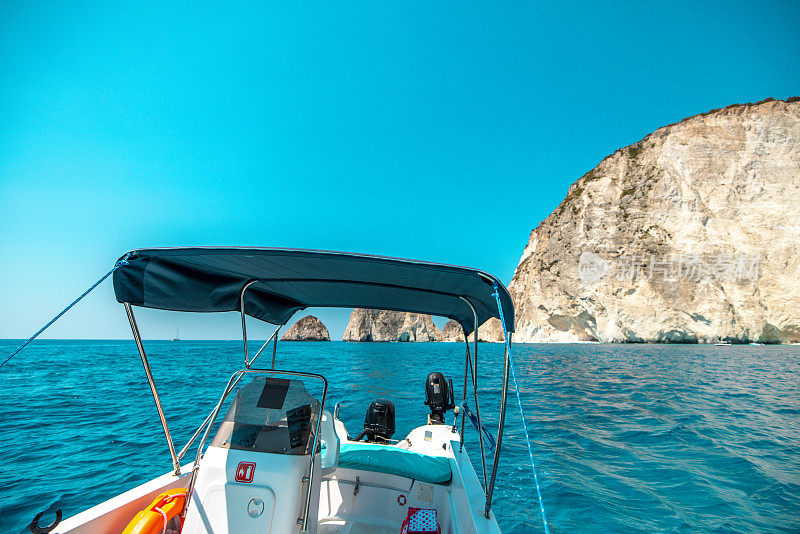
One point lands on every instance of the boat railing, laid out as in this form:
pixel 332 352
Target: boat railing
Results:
pixel 247 362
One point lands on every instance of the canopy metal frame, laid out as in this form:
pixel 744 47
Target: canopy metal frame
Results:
pixel 470 373
pixel 274 336
pixel 471 368
pixel 474 373
pixel 146 364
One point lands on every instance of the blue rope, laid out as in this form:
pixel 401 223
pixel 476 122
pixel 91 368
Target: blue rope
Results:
pixel 119 264
pixel 496 295
pixel 485 435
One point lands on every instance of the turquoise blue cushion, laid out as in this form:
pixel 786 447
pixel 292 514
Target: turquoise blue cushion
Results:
pixel 395 461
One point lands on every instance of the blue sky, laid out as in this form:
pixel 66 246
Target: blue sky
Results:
pixel 443 131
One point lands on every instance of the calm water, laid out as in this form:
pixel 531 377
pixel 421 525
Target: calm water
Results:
pixel 627 438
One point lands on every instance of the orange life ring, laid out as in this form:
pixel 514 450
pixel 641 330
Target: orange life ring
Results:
pixel 152 520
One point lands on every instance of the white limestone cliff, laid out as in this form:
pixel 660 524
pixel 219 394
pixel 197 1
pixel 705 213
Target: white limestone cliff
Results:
pixel 490 332
pixel 690 235
pixel 384 325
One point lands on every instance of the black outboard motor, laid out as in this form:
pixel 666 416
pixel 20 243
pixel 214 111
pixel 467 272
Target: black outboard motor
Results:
pixel 379 421
pixel 438 397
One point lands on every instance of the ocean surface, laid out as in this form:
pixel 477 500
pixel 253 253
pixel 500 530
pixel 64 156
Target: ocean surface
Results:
pixel 631 438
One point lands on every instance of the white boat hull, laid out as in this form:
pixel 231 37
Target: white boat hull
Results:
pixel 351 501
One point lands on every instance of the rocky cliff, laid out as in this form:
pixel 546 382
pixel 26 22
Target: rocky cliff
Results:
pixel 384 325
pixel 309 328
pixel 491 332
pixel 452 331
pixel 690 235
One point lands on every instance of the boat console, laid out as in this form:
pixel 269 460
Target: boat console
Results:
pixel 258 462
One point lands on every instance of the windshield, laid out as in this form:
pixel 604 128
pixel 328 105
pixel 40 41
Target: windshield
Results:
pixel 272 415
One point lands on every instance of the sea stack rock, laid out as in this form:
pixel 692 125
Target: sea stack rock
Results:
pixel 491 331
pixel 309 328
pixel 384 325
pixel 452 331
pixel 690 235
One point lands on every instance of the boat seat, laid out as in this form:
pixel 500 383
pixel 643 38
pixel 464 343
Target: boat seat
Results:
pixel 395 461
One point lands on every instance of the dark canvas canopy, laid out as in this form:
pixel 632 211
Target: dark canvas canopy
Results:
pixel 211 279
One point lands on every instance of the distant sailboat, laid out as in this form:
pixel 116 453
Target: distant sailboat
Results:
pixel 177 335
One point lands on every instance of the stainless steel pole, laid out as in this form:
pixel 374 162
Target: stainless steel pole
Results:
pixel 474 370
pixel 275 347
pixel 307 507
pixel 247 363
pixel 480 425
pixel 475 351
pixel 196 466
pixel 464 397
pixel 205 422
pixel 152 383
pixel 500 426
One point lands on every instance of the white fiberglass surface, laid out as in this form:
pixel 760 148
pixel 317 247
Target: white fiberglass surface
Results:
pixel 377 502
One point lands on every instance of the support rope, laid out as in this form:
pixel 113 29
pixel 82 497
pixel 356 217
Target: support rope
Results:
pixel 483 432
pixel 496 295
pixel 119 264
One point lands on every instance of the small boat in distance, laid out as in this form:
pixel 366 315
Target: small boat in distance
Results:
pixel 723 344
pixel 177 335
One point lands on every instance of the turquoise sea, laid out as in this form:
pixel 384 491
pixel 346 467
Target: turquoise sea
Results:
pixel 632 438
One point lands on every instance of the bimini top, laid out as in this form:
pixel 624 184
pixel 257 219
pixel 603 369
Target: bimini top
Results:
pixel 288 280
